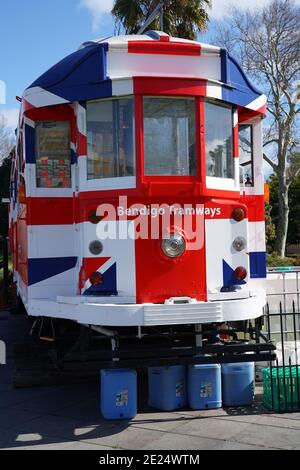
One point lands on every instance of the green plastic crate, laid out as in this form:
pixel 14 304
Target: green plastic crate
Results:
pixel 284 381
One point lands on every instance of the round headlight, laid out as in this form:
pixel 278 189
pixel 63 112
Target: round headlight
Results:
pixel 239 243
pixel 173 246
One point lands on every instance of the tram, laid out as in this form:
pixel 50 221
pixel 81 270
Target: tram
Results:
pixel 137 191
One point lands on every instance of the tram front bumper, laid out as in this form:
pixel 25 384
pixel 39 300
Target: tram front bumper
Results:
pixel 96 311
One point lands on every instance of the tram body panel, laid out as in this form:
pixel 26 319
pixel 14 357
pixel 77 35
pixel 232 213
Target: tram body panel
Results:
pixel 136 284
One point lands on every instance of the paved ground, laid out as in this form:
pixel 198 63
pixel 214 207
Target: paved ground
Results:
pixel 68 417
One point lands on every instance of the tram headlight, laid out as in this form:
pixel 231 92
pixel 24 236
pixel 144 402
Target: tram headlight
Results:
pixel 239 243
pixel 174 245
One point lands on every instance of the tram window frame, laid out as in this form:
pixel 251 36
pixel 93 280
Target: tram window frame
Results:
pixel 192 161
pixel 61 185
pixel 115 151
pixel 251 160
pixel 229 158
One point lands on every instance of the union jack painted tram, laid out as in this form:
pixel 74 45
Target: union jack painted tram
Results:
pixel 156 121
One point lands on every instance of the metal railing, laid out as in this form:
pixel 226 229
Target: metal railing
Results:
pixel 281 380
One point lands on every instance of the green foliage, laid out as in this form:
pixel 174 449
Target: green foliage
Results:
pixel 293 235
pixel 276 261
pixel 270 226
pixel 4 193
pixel 182 18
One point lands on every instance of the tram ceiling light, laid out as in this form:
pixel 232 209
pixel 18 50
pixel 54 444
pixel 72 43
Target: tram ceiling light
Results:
pixel 238 214
pixel 173 246
pixel 240 273
pixel 239 243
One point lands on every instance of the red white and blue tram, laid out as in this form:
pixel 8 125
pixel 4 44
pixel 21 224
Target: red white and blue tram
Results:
pixel 119 134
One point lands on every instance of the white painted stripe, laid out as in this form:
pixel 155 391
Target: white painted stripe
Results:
pixel 120 65
pixel 214 90
pixel 39 97
pixel 122 87
pixel 235 118
pixel 51 241
pixel 257 103
pixel 257 236
pixel 29 122
pixel 226 184
pixel 81 119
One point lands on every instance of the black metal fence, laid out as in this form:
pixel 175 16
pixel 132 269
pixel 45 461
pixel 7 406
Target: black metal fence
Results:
pixel 281 380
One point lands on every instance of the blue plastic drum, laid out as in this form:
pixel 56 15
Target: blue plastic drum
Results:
pixel 167 387
pixel 204 386
pixel 238 384
pixel 118 393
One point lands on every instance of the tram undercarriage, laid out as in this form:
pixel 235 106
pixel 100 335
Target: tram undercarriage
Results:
pixel 91 348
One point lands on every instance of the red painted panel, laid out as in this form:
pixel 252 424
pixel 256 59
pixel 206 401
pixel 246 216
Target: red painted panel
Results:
pixel 164 47
pixel 222 208
pixel 90 265
pixel 159 278
pixel 256 207
pixel 50 211
pixel 22 245
pixel 81 144
pixel 169 86
pixel 59 112
pixel 236 141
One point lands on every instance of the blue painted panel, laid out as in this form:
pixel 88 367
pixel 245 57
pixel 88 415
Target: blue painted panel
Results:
pixel 40 269
pixel 258 264
pixel 239 90
pixel 228 276
pixel 73 157
pixel 79 76
pixel 108 286
pixel 29 144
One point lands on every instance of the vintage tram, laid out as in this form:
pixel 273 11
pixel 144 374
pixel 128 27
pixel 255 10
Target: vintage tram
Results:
pixel 137 205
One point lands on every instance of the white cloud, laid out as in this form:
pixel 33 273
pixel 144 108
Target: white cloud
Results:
pixel 220 8
pixel 11 116
pixel 98 10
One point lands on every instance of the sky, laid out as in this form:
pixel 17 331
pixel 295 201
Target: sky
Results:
pixel 36 34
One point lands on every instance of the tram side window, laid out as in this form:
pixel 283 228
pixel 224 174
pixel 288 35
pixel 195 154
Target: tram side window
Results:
pixel 110 139
pixel 218 139
pixel 246 154
pixel 53 154
pixel 169 137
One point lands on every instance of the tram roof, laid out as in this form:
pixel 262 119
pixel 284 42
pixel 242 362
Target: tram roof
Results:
pixel 97 66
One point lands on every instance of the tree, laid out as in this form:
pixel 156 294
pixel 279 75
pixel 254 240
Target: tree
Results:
pixel 267 42
pixel 4 190
pixel 6 154
pixel 182 18
pixel 6 139
pixel 270 226
pixel 293 235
